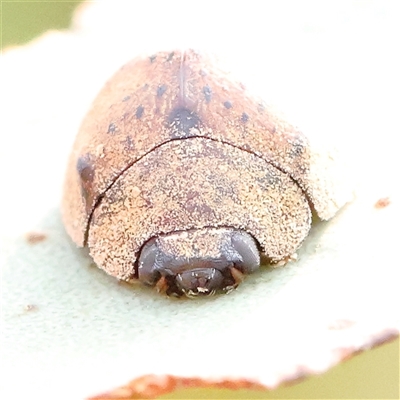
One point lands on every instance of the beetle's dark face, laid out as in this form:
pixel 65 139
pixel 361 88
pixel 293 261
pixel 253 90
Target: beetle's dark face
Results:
pixel 198 262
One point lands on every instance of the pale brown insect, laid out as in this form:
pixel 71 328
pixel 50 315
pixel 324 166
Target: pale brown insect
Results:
pixel 180 178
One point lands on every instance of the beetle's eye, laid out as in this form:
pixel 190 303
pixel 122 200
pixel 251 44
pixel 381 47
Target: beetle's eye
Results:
pixel 147 263
pixel 246 248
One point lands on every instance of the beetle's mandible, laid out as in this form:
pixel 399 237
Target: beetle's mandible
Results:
pixel 180 178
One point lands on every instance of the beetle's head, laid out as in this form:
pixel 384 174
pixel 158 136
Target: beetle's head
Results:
pixel 198 262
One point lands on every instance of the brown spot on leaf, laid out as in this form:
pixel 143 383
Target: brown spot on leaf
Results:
pixel 31 307
pixel 382 203
pixel 35 237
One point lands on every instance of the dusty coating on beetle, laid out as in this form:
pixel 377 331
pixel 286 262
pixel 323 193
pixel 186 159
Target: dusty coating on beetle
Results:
pixel 184 146
pixel 194 183
pixel 188 244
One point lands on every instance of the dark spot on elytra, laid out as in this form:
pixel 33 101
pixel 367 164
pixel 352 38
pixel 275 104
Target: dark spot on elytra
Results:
pixel 260 107
pixel 244 118
pixel 128 143
pixel 296 150
pixel 269 180
pixel 228 190
pixel 86 172
pixel 170 56
pixel 103 217
pixel 126 98
pixel 139 112
pixel 207 93
pixel 200 208
pixel 161 90
pixel 227 104
pixel 147 199
pixel 152 58
pixel 182 122
pixel 112 128
pixel 117 194
pixel 192 194
pixel 85 168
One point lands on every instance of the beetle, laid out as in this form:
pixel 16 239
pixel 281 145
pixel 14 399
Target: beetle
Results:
pixel 180 178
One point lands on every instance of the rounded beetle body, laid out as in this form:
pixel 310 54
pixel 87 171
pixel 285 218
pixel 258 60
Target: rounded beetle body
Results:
pixel 179 178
